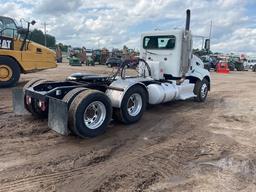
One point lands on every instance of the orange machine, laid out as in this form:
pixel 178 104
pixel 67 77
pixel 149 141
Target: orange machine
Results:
pixel 222 67
pixel 20 55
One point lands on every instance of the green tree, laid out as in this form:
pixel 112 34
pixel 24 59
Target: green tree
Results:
pixel 63 47
pixel 201 52
pixel 50 41
pixel 38 37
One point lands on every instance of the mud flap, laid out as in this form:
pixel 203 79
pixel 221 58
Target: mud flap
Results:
pixel 58 116
pixel 18 101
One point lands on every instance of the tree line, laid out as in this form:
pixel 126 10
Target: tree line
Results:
pixel 38 36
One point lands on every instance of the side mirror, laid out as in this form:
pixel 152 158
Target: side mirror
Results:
pixel 207 44
pixel 33 22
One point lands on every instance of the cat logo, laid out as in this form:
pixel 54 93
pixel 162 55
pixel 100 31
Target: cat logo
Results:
pixel 6 43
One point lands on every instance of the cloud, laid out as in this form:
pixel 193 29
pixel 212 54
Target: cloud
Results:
pixel 14 10
pixel 242 40
pixel 58 7
pixel 115 23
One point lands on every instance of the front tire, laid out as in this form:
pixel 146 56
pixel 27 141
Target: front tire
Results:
pixel 133 105
pixel 254 68
pixel 9 72
pixel 201 90
pixel 89 113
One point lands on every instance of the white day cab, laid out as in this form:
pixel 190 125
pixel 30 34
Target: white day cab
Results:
pixel 84 104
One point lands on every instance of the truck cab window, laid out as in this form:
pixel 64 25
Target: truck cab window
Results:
pixel 159 42
pixel 1 25
pixel 8 27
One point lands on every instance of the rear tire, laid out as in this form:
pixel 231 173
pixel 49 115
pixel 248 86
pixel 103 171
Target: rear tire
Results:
pixel 69 97
pixel 231 68
pixel 89 113
pixel 239 68
pixel 201 90
pixel 132 107
pixel 9 72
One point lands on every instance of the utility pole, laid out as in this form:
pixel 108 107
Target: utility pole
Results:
pixel 98 43
pixel 210 33
pixel 45 41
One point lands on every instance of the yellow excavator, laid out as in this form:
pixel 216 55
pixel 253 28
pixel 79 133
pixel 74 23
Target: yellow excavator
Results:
pixel 20 55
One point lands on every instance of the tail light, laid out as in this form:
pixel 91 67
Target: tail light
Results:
pixel 28 100
pixel 42 105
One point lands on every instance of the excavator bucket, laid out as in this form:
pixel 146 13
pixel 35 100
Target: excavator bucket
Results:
pixel 58 116
pixel 18 101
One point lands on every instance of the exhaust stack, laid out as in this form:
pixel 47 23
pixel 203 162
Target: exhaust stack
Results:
pixel 186 49
pixel 187 20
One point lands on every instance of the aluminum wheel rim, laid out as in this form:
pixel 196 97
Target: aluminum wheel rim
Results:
pixel 94 115
pixel 134 104
pixel 204 90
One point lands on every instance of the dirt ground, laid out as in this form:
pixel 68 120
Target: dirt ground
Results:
pixel 179 146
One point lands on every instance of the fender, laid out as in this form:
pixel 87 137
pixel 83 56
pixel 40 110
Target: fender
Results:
pixel 197 69
pixel 199 73
pixel 116 96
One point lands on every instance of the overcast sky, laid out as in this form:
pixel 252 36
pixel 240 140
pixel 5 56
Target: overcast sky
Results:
pixel 114 23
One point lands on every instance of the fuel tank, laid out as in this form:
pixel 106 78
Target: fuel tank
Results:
pixel 161 93
pixel 165 92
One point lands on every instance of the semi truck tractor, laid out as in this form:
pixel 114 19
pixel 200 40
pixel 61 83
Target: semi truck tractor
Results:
pixel 84 104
